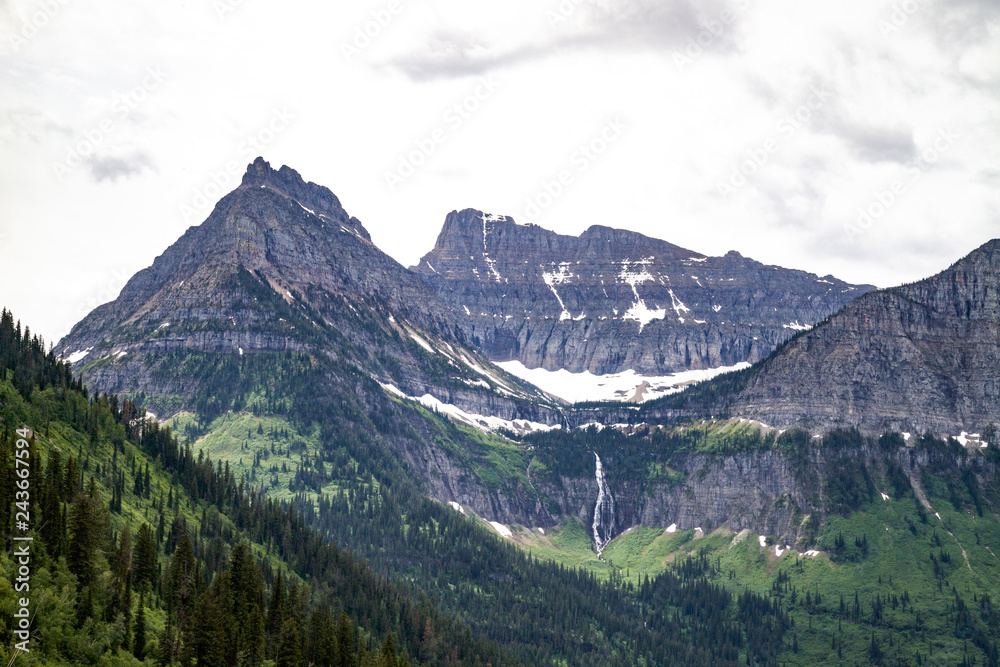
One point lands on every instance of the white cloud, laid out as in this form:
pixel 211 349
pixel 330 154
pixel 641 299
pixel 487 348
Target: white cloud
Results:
pixel 688 127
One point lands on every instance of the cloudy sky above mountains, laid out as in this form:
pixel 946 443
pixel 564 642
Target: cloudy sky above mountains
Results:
pixel 859 138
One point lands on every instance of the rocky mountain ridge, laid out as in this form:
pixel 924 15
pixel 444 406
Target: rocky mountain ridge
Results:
pixel 920 357
pixel 612 300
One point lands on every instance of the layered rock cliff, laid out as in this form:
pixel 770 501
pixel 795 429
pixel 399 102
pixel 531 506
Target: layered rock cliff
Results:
pixel 612 300
pixel 922 357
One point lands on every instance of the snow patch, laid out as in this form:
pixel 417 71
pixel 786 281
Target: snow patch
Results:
pixel 812 553
pixel 672 529
pixel 966 438
pixel 596 425
pixel 422 343
pixel 642 314
pixel 795 326
pixel 79 355
pixel 467 311
pixel 906 437
pixel 502 529
pixel 241 351
pixel 778 550
pixel 458 508
pixel 585 386
pixel 885 497
pixel 763 541
pixel 716 308
pixel 639 312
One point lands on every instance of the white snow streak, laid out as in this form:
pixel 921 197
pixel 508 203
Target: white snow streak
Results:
pixel 558 278
pixel 482 422
pixel 422 343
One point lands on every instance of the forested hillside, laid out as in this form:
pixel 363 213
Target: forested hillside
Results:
pixel 216 573
pixel 146 553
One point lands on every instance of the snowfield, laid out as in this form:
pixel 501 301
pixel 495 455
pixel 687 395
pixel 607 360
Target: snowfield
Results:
pixel 627 386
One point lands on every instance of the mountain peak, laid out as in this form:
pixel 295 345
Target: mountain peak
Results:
pixel 289 182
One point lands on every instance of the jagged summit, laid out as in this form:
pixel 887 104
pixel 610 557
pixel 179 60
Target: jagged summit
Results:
pixel 611 300
pixel 278 266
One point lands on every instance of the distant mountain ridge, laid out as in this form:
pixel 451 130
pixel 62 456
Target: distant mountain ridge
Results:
pixel 612 300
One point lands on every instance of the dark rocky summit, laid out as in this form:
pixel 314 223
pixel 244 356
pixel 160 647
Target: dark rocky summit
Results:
pixel 611 300
pixel 280 266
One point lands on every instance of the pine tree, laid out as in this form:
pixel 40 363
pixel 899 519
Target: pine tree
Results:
pixel 87 522
pixel 205 634
pixel 144 558
pixel 290 649
pixel 388 653
pixel 247 598
pixel 182 581
pixel 345 642
pixel 139 633
pixel 276 614
pixel 52 530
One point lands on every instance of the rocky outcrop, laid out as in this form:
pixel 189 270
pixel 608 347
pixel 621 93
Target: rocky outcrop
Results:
pixel 612 300
pixel 922 357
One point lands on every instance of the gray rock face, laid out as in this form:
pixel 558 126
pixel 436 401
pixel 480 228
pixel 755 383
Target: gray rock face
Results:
pixel 765 491
pixel 611 300
pixel 280 266
pixel 923 357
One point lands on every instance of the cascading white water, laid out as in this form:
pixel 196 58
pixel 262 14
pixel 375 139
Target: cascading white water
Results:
pixel 604 510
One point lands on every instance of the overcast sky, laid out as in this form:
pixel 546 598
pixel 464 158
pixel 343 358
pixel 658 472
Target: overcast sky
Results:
pixel 763 126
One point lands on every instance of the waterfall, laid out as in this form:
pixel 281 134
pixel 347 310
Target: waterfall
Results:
pixel 604 510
